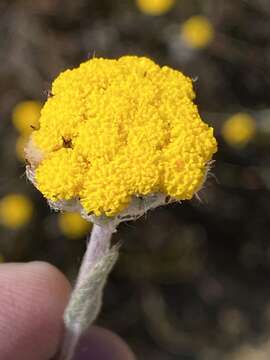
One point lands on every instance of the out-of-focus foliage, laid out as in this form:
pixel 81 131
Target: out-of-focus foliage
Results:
pixel 192 281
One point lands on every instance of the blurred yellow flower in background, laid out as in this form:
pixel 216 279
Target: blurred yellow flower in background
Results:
pixel 2 259
pixel 25 116
pixel 197 32
pixel 155 7
pixel 72 225
pixel 16 210
pixel 239 129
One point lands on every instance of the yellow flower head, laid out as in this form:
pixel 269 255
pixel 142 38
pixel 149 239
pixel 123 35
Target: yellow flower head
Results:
pixel 197 32
pixel 117 129
pixel 155 7
pixel 15 210
pixel 239 129
pixel 26 115
pixel 72 225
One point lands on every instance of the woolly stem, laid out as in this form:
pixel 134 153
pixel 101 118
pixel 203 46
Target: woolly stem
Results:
pixel 86 298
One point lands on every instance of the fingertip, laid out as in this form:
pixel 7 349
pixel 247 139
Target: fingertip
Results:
pixel 53 278
pixel 33 297
pixel 99 343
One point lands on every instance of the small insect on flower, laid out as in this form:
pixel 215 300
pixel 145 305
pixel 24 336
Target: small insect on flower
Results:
pixel 197 32
pixel 155 7
pixel 72 225
pixel 239 129
pixel 26 116
pixel 16 210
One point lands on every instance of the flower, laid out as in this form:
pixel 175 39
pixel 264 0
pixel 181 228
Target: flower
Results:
pixel 15 210
pixel 197 32
pixel 2 258
pixel 239 129
pixel 115 130
pixel 26 115
pixel 155 7
pixel 72 225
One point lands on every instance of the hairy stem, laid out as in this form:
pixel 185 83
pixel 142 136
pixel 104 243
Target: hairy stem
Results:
pixel 86 298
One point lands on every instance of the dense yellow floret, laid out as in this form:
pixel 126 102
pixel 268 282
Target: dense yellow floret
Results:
pixel 239 129
pixel 197 31
pixel 26 115
pixel 15 210
pixel 155 7
pixel 73 225
pixel 113 129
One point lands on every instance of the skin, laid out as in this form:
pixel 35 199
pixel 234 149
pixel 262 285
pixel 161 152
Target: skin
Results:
pixel 32 300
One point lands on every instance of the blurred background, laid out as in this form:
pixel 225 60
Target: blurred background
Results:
pixel 192 281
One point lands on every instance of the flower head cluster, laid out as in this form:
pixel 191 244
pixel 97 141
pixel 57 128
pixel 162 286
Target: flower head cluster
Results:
pixel 15 210
pixel 114 130
pixel 197 32
pixel 155 7
pixel 239 129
